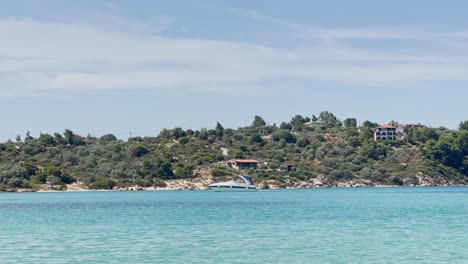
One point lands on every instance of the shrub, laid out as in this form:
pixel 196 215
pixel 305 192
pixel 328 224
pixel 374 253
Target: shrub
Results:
pixel 159 183
pixel 183 140
pixel 137 150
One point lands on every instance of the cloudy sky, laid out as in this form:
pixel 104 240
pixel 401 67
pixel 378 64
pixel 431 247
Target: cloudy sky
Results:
pixel 139 66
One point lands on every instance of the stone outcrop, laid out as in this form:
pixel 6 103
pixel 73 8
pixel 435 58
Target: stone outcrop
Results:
pixel 426 180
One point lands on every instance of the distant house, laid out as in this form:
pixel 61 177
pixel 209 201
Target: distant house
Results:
pixel 389 132
pixel 386 132
pixel 243 164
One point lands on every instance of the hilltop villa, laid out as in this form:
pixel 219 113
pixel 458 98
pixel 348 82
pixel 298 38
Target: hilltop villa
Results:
pixel 385 132
pixel 389 132
pixel 243 164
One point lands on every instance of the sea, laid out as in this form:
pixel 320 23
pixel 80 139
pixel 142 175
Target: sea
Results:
pixel 332 225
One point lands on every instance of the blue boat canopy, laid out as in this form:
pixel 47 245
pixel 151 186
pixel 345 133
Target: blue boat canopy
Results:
pixel 246 178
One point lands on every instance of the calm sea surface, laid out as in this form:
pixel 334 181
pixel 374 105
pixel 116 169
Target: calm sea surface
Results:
pixel 370 225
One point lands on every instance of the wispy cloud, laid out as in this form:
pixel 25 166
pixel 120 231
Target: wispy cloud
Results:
pixel 38 58
pixel 343 33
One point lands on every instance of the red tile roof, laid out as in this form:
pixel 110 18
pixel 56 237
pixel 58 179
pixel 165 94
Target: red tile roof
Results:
pixel 386 126
pixel 245 161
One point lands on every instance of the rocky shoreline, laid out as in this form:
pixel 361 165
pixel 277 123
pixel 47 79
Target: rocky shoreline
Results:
pixel 202 184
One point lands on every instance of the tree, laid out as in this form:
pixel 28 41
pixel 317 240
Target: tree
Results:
pixel 463 125
pixel 72 139
pixel 46 140
pixel 366 133
pixel 69 137
pixel 373 150
pixel 103 184
pixel 137 150
pixel 303 142
pixel 57 172
pixel 219 126
pixel 369 124
pixel 297 122
pixel 189 132
pixel 219 129
pixel 285 126
pixel 204 157
pixel 32 148
pixel 423 135
pixel 53 180
pixel 258 122
pixel 184 140
pixel 178 132
pixel 108 138
pixel 238 154
pixel 184 170
pixel 462 141
pixel 28 137
pixel 350 123
pixel 256 138
pixel 330 119
pixel 165 171
pixel 165 133
pixel 393 123
pixel 287 136
pixel 59 139
pixel 446 151
pixel 327 117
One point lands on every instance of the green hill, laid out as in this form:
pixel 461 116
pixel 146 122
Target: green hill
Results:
pixel 322 150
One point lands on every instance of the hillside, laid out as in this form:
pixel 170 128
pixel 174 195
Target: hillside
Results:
pixel 322 150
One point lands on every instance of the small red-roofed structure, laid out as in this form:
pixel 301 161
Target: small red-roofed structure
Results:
pixel 386 127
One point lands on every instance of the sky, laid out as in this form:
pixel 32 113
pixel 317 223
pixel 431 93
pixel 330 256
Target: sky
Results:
pixel 122 67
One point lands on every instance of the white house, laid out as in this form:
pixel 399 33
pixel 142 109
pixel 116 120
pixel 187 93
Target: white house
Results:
pixel 386 132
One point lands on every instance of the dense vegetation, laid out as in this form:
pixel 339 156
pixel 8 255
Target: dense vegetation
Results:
pixel 318 147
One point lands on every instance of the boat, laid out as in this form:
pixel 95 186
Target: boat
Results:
pixel 240 184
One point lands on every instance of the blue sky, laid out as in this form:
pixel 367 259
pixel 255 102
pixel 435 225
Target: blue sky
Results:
pixel 118 66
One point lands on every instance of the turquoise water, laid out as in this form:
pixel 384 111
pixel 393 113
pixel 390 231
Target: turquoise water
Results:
pixel 369 225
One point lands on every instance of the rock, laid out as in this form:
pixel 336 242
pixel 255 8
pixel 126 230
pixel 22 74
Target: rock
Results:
pixel 263 185
pixel 425 180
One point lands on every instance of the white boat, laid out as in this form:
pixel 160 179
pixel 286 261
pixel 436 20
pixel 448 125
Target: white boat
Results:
pixel 240 184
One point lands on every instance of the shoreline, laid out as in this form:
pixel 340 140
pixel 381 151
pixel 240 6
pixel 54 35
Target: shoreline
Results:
pixel 152 189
